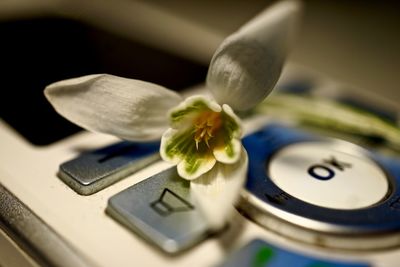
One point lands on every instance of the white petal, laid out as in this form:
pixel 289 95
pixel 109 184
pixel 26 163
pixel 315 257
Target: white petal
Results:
pixel 247 65
pixel 127 108
pixel 216 191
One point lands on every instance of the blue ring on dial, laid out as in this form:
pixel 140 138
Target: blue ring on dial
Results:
pixel 383 217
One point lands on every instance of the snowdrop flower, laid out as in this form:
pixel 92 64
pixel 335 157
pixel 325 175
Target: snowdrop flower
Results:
pixel 202 135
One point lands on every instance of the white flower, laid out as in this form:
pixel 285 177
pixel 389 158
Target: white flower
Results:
pixel 204 135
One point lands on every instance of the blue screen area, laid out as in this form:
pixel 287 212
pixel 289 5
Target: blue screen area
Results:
pixel 259 253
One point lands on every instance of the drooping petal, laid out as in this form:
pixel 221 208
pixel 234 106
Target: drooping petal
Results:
pixel 248 63
pixel 185 112
pixel 179 147
pixel 216 191
pixel 127 108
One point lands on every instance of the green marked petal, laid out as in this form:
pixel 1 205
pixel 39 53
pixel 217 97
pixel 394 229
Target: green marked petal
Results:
pixel 195 164
pixel 175 144
pixel 179 147
pixel 202 133
pixel 191 107
pixel 232 124
pixel 228 146
pixel 229 152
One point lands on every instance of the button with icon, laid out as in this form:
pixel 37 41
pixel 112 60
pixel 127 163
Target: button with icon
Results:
pixel 160 209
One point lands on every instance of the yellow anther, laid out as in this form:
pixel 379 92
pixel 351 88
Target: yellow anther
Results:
pixel 206 125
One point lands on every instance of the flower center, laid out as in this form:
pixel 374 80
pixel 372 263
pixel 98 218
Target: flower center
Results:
pixel 206 125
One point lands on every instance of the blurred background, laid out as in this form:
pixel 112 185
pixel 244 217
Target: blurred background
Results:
pixel 357 42
pixel 171 42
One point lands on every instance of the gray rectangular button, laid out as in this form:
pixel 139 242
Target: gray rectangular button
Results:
pixel 93 171
pixel 161 210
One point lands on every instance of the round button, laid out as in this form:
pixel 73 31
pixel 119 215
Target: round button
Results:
pixel 330 175
pixel 323 191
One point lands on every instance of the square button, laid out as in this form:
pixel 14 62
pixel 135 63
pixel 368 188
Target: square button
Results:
pixel 161 210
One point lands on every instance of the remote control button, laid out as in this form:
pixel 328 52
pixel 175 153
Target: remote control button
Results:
pixel 285 190
pixel 93 171
pixel 160 209
pixel 260 253
pixel 331 175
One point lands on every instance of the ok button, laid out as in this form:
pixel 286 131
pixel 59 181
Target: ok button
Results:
pixel 337 175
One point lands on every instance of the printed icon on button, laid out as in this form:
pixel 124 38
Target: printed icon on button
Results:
pixel 323 172
pixel 280 198
pixel 169 202
pixel 395 205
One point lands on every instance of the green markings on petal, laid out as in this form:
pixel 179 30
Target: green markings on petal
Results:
pixel 180 148
pixel 230 126
pixel 192 159
pixel 179 114
pixel 196 163
pixel 202 133
pixel 179 144
pixel 229 150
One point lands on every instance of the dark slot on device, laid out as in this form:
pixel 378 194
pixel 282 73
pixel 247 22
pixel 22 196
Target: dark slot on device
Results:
pixel 37 52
